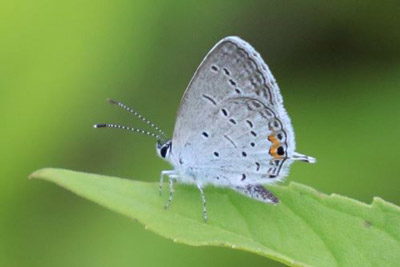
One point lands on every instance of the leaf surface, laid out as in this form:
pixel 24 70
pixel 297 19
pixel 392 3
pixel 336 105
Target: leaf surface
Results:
pixel 306 228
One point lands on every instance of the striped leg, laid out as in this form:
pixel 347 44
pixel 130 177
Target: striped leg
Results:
pixel 203 199
pixel 171 178
pixel 164 173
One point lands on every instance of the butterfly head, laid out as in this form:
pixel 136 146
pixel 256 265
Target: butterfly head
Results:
pixel 164 149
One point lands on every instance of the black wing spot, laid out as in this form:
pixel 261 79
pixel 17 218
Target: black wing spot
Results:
pixel 226 71
pixel 280 136
pixel 249 123
pixel 280 151
pixel 232 82
pixel 205 134
pixel 258 166
pixel 224 112
pixel 216 154
pixel 232 121
pixel 237 90
pixel 214 68
pixel 209 98
pixel 252 144
pixel 244 154
pixel 253 133
pixel 243 177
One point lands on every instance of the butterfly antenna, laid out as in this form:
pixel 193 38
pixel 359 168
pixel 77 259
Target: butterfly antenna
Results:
pixel 138 115
pixel 137 130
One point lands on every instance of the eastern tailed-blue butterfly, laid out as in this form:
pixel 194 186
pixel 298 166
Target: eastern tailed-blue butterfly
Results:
pixel 231 129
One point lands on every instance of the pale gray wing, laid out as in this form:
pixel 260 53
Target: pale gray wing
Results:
pixel 232 69
pixel 243 143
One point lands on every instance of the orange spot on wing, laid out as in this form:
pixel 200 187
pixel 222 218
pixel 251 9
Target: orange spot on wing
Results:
pixel 274 147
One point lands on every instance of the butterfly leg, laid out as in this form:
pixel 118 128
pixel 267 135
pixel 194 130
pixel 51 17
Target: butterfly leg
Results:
pixel 164 173
pixel 258 192
pixel 203 199
pixel 171 178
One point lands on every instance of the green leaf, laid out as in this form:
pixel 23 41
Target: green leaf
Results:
pixel 306 228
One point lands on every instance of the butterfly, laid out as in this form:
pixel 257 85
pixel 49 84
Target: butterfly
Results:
pixel 232 129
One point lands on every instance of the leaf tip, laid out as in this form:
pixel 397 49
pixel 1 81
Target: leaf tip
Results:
pixel 35 174
pixel 383 204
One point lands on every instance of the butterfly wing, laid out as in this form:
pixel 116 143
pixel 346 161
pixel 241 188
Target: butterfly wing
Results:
pixel 231 96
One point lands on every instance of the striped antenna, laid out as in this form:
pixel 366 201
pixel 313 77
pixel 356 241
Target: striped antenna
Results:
pixel 137 130
pixel 139 116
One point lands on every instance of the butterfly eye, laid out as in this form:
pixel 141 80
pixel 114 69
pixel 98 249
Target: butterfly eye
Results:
pixel 164 150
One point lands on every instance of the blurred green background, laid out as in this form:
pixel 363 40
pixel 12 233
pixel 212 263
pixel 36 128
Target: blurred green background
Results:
pixel 337 63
